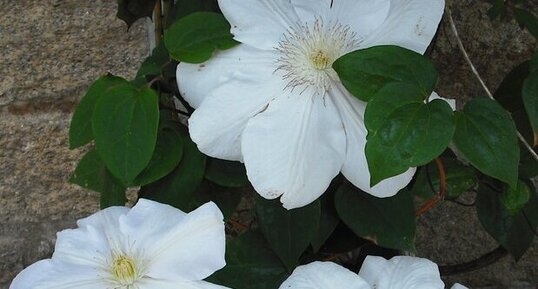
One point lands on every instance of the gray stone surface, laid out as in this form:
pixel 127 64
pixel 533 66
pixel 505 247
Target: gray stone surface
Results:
pixel 52 51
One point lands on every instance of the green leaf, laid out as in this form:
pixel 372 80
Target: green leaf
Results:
pixel 166 156
pixel 459 179
pixel 513 232
pixel 530 101
pixel 328 221
pixel 411 136
pixel 527 20
pixel 80 131
pixel 389 98
pixel 486 136
pixel 226 199
pixel 364 72
pixel 158 63
pixel 131 10
pixel 226 173
pixel 288 231
pixel 509 95
pixel 195 37
pixel 125 129
pixel 183 8
pixel 177 188
pixel 91 173
pixel 250 264
pixel 515 199
pixel 388 222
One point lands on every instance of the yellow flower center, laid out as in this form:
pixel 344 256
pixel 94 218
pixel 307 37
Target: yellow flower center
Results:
pixel 124 269
pixel 320 59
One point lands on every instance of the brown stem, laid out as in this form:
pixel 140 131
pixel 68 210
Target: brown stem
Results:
pixel 478 263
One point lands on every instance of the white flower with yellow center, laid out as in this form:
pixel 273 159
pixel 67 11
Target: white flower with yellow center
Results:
pixel 400 272
pixel 151 246
pixel 274 101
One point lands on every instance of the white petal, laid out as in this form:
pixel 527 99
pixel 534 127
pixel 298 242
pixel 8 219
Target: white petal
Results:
pixel 295 148
pixel 149 283
pixel 196 81
pixel 410 24
pixel 216 126
pixel 90 244
pixel 178 247
pixel 451 102
pixel 402 272
pixel 355 167
pixel 458 286
pixel 363 16
pixel 259 23
pixel 47 274
pixel 323 275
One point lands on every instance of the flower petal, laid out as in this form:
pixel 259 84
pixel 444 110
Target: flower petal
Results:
pixel 216 126
pixel 355 167
pixel 47 274
pixel 401 272
pixel 177 246
pixel 363 16
pixel 149 283
pixel 90 244
pixel 323 275
pixel 410 24
pixel 259 23
pixel 295 148
pixel 458 286
pixel 196 81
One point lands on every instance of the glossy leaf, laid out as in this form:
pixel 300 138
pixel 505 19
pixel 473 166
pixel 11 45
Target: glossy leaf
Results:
pixel 364 72
pixel 514 199
pixel 226 199
pixel 530 101
pixel 178 187
pixel 411 136
pixel 486 136
pixel 131 10
pixel 513 232
pixel 389 98
pixel 183 8
pixel 328 221
pixel 158 63
pixel 388 222
pixel 288 231
pixel 250 264
pixel 166 156
pixel 459 179
pixel 80 131
pixel 195 37
pixel 226 173
pixel 125 129
pixel 91 173
pixel 497 9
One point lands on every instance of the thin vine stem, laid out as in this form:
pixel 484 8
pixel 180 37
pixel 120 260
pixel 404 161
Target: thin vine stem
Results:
pixel 442 190
pixel 477 75
pixel 480 262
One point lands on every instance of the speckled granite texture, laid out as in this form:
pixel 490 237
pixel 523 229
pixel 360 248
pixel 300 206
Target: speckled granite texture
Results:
pixel 53 49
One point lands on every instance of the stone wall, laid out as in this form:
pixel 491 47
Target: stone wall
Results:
pixel 54 49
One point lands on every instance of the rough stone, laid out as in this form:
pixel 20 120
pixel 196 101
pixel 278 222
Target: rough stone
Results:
pixel 53 50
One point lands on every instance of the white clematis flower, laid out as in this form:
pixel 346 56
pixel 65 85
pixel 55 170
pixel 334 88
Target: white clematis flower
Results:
pixel 274 101
pixel 401 272
pixel 151 246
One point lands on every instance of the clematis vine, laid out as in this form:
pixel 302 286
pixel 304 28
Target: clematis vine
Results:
pixel 275 103
pixel 400 272
pixel 151 246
